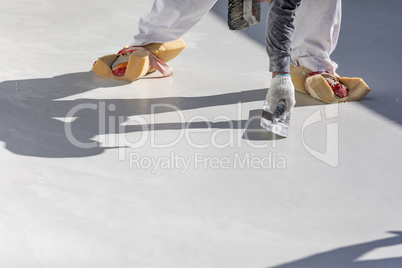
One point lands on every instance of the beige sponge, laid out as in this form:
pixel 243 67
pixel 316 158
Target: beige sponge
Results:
pixel 318 87
pixel 167 51
pixel 138 64
pixel 299 75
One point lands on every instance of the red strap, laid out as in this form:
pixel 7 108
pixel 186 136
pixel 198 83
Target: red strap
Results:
pixel 154 61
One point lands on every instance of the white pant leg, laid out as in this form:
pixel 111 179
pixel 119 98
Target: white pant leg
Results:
pixel 317 26
pixel 170 20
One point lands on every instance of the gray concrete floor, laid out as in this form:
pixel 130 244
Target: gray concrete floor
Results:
pixel 176 172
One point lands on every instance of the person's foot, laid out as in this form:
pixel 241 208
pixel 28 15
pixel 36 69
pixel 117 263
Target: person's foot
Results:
pixel 327 87
pixel 119 66
pixel 337 87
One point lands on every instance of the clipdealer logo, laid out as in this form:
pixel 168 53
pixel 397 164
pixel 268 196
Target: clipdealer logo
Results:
pixel 114 131
pixel 331 154
pixel 137 131
pixel 202 160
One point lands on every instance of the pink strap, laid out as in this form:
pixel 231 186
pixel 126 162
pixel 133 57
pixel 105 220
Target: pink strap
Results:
pixel 154 61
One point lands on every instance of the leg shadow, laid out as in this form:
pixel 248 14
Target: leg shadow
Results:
pixel 30 113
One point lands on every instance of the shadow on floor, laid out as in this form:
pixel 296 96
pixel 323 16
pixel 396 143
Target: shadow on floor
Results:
pixel 346 257
pixel 32 124
pixel 370 46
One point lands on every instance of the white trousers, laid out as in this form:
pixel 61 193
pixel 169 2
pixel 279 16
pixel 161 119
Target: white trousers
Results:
pixel 317 26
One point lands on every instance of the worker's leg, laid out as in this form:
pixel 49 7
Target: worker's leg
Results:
pixel 170 20
pixel 317 26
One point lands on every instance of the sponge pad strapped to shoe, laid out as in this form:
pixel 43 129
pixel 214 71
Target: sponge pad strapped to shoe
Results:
pixel 141 60
pixel 327 87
